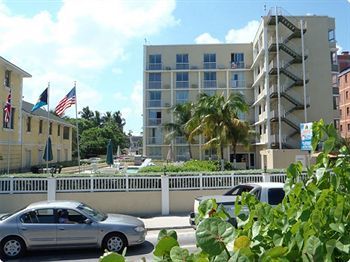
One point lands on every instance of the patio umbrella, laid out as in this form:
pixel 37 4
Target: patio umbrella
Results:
pixel 109 159
pixel 48 151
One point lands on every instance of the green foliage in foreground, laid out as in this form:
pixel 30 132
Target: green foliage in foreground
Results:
pixel 311 224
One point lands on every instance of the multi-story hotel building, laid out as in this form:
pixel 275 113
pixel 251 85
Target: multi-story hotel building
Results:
pixel 23 138
pixel 344 93
pixel 285 75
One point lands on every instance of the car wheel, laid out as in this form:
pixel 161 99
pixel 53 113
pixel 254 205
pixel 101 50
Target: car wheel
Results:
pixel 115 242
pixel 12 247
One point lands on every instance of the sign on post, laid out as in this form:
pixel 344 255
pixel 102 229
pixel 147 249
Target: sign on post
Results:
pixel 306 136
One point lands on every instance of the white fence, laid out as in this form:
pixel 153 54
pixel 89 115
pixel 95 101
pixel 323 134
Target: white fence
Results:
pixel 132 183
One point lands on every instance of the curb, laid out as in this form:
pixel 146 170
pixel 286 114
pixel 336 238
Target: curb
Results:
pixel 175 227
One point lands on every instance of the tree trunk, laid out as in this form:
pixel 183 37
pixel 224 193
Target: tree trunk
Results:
pixel 234 145
pixel 222 158
pixel 189 150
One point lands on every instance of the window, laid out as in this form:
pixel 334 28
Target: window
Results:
pixel 348 127
pixel 347 111
pixel 66 132
pixel 336 123
pixel 29 124
pixel 59 130
pixel 155 117
pixel 182 61
pixel 155 80
pixel 340 112
pixel 335 102
pixel 237 80
pixel 209 79
pixel 182 153
pixel 275 196
pixel 346 78
pixel 341 128
pixel 182 80
pixel 237 60
pixel 40 126
pixel 154 99
pixel 347 94
pixel 209 61
pixel 155 152
pixel 155 62
pixel 69 216
pixel 181 97
pixel 9 124
pixel 331 35
pixel 7 80
pixel 50 129
pixel 40 216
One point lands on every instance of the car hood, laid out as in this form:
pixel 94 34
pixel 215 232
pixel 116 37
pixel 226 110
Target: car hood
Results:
pixel 219 198
pixel 123 220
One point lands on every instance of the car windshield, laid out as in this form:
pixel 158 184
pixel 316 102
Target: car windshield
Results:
pixel 94 213
pixel 238 190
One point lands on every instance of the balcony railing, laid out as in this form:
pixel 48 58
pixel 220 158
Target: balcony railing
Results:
pixel 182 84
pixel 209 84
pixel 154 85
pixel 154 121
pixel 209 65
pixel 237 64
pixel 154 103
pixel 238 84
pixel 155 66
pixel 182 66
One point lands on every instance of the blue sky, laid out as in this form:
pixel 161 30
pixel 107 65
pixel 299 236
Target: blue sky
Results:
pixel 99 43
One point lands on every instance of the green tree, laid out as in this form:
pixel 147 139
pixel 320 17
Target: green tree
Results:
pixel 86 113
pixel 182 114
pixel 217 119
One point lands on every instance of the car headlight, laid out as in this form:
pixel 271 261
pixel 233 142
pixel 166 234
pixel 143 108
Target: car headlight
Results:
pixel 139 229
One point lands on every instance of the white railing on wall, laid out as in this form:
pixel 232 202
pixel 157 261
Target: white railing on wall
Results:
pixel 133 183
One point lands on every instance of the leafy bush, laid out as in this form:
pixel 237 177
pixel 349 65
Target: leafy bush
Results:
pixel 311 224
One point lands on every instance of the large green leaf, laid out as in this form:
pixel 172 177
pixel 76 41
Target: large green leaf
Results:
pixel 178 254
pixel 339 227
pixel 111 257
pixel 329 145
pixel 164 246
pixel 213 234
pixel 241 242
pixel 311 245
pixel 207 206
pixel 163 233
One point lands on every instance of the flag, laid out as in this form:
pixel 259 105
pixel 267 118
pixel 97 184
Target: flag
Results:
pixel 42 101
pixel 66 102
pixel 8 108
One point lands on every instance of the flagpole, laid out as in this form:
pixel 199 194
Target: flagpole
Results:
pixel 8 136
pixel 48 128
pixel 76 122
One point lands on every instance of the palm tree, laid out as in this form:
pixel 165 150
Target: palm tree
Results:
pixel 217 119
pixel 182 114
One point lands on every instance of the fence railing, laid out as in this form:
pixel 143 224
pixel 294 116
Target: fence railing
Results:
pixel 127 183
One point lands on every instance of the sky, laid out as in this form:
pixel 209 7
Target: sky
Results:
pixel 99 43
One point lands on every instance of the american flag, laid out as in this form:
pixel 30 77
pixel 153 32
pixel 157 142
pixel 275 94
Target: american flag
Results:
pixel 8 108
pixel 66 102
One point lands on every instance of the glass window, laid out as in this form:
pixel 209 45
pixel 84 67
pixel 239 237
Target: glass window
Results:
pixel 155 152
pixel 335 102
pixel 181 97
pixel 10 123
pixel 66 132
pixel 154 80
pixel 155 117
pixel 155 62
pixel 237 80
pixel 40 216
pixel 331 35
pixel 182 80
pixel 7 80
pixel 209 75
pixel 209 61
pixel 94 213
pixel 182 153
pixel 50 129
pixel 237 60
pixel 182 61
pixel 59 130
pixel 155 98
pixel 69 216
pixel 29 124
pixel 40 126
pixel 275 196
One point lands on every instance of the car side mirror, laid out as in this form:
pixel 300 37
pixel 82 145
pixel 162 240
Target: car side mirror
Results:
pixel 88 221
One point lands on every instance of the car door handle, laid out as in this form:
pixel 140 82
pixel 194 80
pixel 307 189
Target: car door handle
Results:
pixel 61 228
pixel 24 228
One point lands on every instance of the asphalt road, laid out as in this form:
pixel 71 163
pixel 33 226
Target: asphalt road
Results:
pixel 186 238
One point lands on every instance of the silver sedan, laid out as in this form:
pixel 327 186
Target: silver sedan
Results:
pixel 66 224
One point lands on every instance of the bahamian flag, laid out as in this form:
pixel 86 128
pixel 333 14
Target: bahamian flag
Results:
pixel 42 101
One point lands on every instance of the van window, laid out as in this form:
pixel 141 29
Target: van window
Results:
pixel 275 196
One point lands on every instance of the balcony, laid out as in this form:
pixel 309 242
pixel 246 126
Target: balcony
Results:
pixel 180 66
pixel 182 84
pixel 275 139
pixel 155 66
pixel 154 85
pixel 261 95
pixel 154 121
pixel 209 84
pixel 237 64
pixel 209 65
pixel 154 103
pixel 154 140
pixel 238 84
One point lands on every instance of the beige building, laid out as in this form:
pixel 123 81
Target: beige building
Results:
pixel 23 139
pixel 285 75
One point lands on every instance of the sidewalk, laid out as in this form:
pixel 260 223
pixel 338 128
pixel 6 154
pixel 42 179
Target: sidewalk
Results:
pixel 167 222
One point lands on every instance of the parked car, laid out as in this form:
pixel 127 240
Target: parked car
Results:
pixel 271 193
pixel 66 224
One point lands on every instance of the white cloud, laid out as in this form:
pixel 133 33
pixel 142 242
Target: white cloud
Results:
pixel 206 38
pixel 119 96
pixel 134 111
pixel 78 42
pixel 243 35
pixel 339 48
